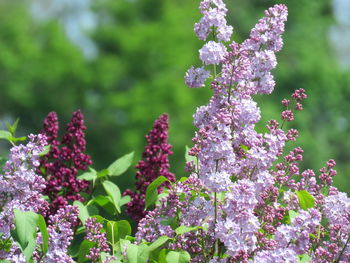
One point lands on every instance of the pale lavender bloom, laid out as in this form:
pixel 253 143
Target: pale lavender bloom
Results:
pixel 237 230
pixel 195 77
pixel 337 210
pixel 94 234
pixel 248 111
pixel 212 53
pixel 296 236
pixel 265 39
pixel 281 255
pixel 195 211
pixel 205 4
pixel 224 33
pixel 61 234
pixel 214 12
pixel 219 181
pixel 20 187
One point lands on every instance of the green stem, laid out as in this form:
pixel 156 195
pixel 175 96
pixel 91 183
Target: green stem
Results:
pixel 216 249
pixel 342 251
pixel 215 220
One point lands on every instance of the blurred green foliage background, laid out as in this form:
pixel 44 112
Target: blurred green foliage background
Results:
pixel 140 52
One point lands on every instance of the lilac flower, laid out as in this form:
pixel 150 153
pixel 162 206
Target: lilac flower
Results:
pixel 65 159
pixel 213 21
pixel 194 210
pixel 154 163
pixel 61 234
pixel 20 186
pixel 94 234
pixel 237 230
pixel 195 77
pixel 212 53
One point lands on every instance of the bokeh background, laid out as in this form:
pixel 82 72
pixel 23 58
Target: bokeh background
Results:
pixel 122 63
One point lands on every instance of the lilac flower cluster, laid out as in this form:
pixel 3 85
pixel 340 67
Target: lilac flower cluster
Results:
pixel 61 165
pixel 154 163
pixel 195 77
pixel 61 234
pixel 187 204
pixel 20 188
pixel 253 210
pixel 212 23
pixel 94 234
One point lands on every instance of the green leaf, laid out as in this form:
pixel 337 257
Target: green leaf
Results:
pixel 183 179
pixel 12 128
pixel 101 200
pixel 5 244
pixel 119 166
pixel 162 255
pixel 292 214
pixel 151 191
pixel 102 173
pixel 117 230
pixel 188 157
pixel 137 254
pixel 245 148
pixel 306 200
pixel 5 135
pixel 130 238
pixel 159 242
pixel 44 233
pixel 25 231
pixel 84 250
pixel 124 200
pixel 45 151
pixel 304 258
pixel 114 193
pixel 18 139
pixel 184 229
pixel 83 211
pixel 178 257
pixel 124 229
pixel 88 176
pixel 105 202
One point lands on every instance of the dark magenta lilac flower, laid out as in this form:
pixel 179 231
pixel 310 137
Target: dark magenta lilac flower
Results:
pixel 154 163
pixel 65 159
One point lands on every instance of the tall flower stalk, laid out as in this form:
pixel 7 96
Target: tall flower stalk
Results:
pixel 20 188
pixel 154 163
pixel 251 209
pixel 61 164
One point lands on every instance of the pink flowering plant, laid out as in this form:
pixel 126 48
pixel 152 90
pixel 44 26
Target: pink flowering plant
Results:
pixel 243 199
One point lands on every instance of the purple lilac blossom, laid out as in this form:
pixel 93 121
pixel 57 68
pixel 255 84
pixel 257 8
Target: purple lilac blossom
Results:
pixel 154 163
pixel 94 234
pixel 20 188
pixel 213 21
pixel 194 210
pixel 64 160
pixel 195 77
pixel 212 53
pixel 61 234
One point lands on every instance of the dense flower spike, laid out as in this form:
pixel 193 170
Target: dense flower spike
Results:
pixel 154 163
pixel 20 188
pixel 190 199
pixel 94 234
pixel 213 21
pixel 61 234
pixel 61 165
pixel 247 211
